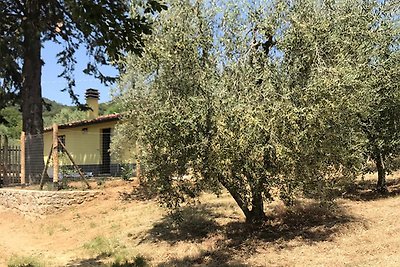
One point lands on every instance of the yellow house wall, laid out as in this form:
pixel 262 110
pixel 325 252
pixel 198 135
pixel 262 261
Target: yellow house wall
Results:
pixel 84 147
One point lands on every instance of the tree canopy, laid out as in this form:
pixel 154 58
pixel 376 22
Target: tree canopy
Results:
pixel 107 29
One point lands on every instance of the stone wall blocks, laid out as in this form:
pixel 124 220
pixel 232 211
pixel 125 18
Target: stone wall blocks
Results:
pixel 37 204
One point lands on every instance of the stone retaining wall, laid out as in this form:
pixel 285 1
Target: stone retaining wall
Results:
pixel 33 203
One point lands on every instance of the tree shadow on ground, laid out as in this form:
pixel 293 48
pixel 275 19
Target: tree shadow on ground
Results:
pixel 220 257
pixel 97 261
pixel 188 224
pixel 140 192
pixel 365 190
pixel 306 223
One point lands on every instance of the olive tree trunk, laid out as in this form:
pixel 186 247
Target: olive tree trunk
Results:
pixel 31 92
pixel 253 208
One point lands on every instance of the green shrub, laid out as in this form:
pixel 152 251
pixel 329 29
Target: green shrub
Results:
pixel 126 172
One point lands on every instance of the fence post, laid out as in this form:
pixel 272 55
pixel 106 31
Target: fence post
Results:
pixel 1 161
pixel 22 158
pixel 55 153
pixel 6 160
pixel 16 163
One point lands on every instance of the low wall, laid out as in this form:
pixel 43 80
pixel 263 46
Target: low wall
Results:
pixel 33 203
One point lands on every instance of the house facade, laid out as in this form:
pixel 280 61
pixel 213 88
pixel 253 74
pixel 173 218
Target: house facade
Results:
pixel 88 141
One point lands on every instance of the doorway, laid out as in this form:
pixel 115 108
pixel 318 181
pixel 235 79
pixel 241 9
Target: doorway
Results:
pixel 105 149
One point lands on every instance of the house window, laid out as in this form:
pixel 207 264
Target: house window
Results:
pixel 61 139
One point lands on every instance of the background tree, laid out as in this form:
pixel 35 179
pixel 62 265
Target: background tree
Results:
pixel 347 52
pixel 380 120
pixel 67 115
pixel 13 124
pixel 106 28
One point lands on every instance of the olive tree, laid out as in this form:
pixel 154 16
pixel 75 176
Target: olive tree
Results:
pixel 217 101
pixel 380 119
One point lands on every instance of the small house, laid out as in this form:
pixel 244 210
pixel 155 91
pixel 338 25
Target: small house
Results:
pixel 87 141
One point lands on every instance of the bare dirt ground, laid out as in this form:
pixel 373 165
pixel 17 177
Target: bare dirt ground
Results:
pixel 362 229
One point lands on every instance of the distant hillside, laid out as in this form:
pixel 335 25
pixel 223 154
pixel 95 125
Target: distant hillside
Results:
pixel 60 113
pixel 53 112
pixel 54 108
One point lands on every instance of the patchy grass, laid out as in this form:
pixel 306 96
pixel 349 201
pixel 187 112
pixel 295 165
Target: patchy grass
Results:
pixel 101 246
pixel 52 228
pixel 121 228
pixel 24 261
pixel 112 253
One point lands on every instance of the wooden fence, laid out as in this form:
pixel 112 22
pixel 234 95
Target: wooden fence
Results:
pixel 10 162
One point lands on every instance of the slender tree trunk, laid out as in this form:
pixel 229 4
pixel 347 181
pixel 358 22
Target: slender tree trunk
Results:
pixel 32 92
pixel 256 214
pixel 381 186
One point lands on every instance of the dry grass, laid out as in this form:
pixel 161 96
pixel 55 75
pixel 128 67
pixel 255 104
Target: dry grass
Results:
pixel 123 226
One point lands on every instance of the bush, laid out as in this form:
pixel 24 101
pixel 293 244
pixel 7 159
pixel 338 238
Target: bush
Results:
pixel 127 172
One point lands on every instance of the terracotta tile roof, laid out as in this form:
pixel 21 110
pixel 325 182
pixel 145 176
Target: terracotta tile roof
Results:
pixel 104 118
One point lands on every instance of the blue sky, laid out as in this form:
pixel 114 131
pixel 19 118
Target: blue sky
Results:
pixel 52 85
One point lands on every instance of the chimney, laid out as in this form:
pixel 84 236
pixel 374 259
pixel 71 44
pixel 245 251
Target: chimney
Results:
pixel 92 101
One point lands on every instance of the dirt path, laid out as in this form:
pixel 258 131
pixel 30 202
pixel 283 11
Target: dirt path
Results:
pixel 57 238
pixel 355 233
